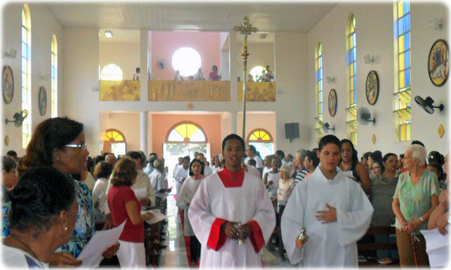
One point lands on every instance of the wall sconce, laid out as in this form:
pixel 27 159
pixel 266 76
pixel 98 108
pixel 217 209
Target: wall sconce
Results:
pixel 108 34
pixel 11 53
pixel 330 79
pixel 436 24
pixel 369 59
pixel 18 118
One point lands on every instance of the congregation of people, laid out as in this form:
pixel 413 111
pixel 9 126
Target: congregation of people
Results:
pixel 55 197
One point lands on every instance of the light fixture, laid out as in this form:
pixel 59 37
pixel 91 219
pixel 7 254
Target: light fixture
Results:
pixel 428 104
pixel 11 53
pixel 18 118
pixel 369 59
pixel 326 127
pixel 108 34
pixel 436 24
pixel 330 79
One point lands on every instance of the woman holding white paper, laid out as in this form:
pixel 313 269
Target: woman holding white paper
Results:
pixel 124 205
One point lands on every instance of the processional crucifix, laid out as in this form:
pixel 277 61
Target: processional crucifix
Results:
pixel 245 29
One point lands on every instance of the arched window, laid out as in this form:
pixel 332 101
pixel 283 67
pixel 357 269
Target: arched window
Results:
pixel 54 77
pixel 187 61
pixel 111 72
pixel 262 140
pixel 403 92
pixel 115 142
pixel 319 89
pixel 26 74
pixel 351 103
pixel 256 73
pixel 186 133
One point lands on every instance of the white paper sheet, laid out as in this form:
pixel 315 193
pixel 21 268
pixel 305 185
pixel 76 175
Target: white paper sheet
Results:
pixel 158 216
pixel 91 255
pixel 437 247
pixel 141 193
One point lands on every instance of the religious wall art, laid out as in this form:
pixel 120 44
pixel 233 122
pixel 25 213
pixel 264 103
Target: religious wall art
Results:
pixel 438 62
pixel 332 102
pixel 8 84
pixel 372 87
pixel 258 91
pixel 120 90
pixel 188 90
pixel 42 101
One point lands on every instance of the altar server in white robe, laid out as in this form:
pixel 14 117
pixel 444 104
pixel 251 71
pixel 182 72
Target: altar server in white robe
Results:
pixel 224 199
pixel 332 208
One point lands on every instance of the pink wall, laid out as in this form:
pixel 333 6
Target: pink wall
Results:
pixel 164 45
pixel 210 124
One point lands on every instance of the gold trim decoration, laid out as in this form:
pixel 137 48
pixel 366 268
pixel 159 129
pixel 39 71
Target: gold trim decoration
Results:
pixel 258 91
pixel 373 138
pixel 190 106
pixel 188 90
pixel 441 131
pixel 6 140
pixel 119 91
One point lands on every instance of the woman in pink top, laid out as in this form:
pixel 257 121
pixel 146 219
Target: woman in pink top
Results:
pixel 125 206
pixel 213 76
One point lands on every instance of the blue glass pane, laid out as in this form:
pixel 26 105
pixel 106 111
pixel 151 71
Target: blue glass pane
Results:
pixel 406 41
pixel 320 74
pixel 401 26
pixel 321 98
pixel 320 62
pixel 406 7
pixel 354 52
pixel 355 68
pixel 352 59
pixel 53 72
pixel 407 59
pixel 355 83
pixel 407 74
pixel 354 40
pixel 407 23
pixel 24 50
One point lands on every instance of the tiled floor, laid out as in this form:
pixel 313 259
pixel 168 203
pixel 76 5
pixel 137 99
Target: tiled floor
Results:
pixel 174 256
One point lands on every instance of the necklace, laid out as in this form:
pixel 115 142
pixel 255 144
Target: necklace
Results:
pixel 32 253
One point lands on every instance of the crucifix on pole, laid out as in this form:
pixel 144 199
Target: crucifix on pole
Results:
pixel 245 29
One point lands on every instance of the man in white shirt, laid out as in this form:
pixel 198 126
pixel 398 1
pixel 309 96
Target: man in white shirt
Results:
pixel 251 153
pixel 182 173
pixel 157 176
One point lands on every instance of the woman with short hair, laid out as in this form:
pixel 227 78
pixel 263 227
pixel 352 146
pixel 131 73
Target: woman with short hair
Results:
pixel 42 218
pixel 415 198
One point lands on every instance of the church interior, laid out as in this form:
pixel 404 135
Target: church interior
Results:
pixel 374 72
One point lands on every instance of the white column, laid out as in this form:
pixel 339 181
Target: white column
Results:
pixel 143 120
pixel 233 122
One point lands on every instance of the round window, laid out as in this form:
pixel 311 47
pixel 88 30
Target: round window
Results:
pixel 186 60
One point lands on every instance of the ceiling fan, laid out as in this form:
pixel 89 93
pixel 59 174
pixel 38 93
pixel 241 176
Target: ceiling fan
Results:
pixel 18 118
pixel 428 104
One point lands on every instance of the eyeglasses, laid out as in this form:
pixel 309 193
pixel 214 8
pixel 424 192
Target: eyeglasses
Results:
pixel 81 146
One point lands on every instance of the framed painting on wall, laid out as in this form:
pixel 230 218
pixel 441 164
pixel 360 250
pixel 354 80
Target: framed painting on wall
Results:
pixel 372 87
pixel 8 84
pixel 438 63
pixel 42 101
pixel 332 102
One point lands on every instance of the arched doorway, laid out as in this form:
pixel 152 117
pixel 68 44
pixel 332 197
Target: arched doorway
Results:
pixel 262 140
pixel 184 139
pixel 114 142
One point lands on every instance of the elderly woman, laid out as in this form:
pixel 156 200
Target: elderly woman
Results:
pixel 60 143
pixel 415 198
pixel 43 214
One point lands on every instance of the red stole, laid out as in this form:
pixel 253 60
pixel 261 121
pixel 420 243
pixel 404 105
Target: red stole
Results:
pixel 217 238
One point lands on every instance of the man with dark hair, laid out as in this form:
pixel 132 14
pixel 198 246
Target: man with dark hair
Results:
pixel 418 142
pixel 13 154
pixel 332 208
pixel 231 213
pixel 149 168
pixel 182 173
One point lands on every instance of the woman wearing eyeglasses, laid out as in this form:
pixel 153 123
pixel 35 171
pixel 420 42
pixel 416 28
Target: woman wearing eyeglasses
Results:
pixel 415 198
pixel 60 143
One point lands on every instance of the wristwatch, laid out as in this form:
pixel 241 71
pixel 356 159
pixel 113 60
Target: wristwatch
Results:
pixel 421 219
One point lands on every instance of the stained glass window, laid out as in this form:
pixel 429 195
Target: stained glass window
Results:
pixel 54 76
pixel 186 133
pixel 319 89
pixel 351 102
pixel 26 74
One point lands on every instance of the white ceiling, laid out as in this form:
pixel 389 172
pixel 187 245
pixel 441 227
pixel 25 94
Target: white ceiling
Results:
pixel 297 16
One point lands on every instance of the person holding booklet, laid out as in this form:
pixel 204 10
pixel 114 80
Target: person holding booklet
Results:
pixel 124 205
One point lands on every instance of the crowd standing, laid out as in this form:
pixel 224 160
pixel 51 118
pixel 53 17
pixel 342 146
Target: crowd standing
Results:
pixel 236 198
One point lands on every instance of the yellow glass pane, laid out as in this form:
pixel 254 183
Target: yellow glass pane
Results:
pixel 408 132
pixel 191 129
pixel 351 69
pixel 401 43
pixel 181 129
pixel 401 62
pixel 401 79
pixel 253 138
pixel 266 137
pixel 400 9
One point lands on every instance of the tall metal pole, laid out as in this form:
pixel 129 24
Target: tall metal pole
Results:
pixel 246 29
